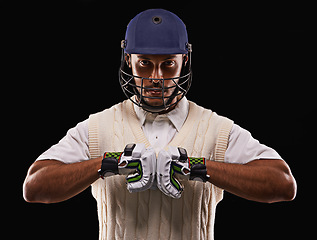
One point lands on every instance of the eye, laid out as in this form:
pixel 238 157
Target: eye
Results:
pixel 144 62
pixel 169 63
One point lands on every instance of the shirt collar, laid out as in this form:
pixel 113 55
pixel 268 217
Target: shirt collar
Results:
pixel 177 116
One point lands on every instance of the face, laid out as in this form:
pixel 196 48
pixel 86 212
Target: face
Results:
pixel 156 66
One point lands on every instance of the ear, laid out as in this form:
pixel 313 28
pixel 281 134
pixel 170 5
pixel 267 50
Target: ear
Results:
pixel 185 59
pixel 127 58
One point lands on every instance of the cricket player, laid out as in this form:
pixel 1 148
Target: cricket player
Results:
pixel 157 162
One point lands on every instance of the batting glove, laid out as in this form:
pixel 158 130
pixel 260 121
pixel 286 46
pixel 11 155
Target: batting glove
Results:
pixel 174 165
pixel 168 164
pixel 138 163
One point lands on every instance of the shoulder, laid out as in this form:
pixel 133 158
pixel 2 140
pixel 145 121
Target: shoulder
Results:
pixel 80 131
pixel 110 109
pixel 117 108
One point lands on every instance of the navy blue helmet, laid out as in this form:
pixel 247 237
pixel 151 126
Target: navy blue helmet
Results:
pixel 155 31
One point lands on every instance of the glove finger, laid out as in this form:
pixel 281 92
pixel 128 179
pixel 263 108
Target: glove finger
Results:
pixel 161 169
pixel 143 184
pixel 174 180
pixel 161 185
pixel 143 178
pixel 171 191
pixel 131 178
pixel 170 186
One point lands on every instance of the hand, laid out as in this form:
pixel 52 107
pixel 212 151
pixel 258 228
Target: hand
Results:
pixel 168 164
pixel 139 164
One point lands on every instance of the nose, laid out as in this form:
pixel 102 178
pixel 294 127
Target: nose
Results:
pixel 157 73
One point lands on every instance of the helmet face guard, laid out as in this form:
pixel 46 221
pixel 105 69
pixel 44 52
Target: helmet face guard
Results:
pixel 171 94
pixel 152 32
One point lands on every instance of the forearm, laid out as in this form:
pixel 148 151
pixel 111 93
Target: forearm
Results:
pixel 259 180
pixel 50 181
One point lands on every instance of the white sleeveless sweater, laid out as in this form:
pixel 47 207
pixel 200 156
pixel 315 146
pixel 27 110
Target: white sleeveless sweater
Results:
pixel 151 214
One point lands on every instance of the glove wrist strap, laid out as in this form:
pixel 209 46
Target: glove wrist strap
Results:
pixel 198 169
pixel 109 164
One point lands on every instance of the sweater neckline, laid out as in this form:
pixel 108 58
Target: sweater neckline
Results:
pixel 187 126
pixel 177 116
pixel 134 123
pixel 136 127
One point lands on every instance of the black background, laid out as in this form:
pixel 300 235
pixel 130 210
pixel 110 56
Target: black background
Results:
pixel 250 62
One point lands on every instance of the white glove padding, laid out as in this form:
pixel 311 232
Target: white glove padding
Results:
pixel 140 165
pixel 169 163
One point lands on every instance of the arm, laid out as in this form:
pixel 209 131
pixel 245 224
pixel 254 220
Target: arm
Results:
pixel 259 180
pixel 50 181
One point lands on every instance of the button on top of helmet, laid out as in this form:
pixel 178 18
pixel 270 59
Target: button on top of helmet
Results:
pixel 157 20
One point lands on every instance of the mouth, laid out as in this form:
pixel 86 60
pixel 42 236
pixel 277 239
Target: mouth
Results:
pixel 154 92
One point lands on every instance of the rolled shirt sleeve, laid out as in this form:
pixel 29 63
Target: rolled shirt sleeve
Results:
pixel 71 148
pixel 243 148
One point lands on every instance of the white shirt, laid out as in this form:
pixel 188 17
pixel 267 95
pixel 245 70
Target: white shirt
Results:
pixel 160 130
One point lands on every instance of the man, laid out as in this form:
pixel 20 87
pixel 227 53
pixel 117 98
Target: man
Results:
pixel 157 162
